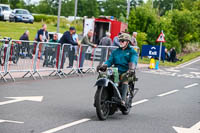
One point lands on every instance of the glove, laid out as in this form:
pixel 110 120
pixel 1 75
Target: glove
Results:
pixel 102 68
pixel 131 72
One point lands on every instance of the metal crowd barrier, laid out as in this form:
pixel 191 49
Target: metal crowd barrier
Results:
pixel 31 58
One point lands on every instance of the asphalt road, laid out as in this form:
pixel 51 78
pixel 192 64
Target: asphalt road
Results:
pixel 167 98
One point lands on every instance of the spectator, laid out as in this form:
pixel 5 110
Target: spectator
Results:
pixel 42 36
pixel 25 45
pixel 167 55
pixel 51 50
pixel 75 38
pixel 105 41
pixel 116 40
pixel 134 41
pixel 67 38
pixel 85 41
pixel 173 57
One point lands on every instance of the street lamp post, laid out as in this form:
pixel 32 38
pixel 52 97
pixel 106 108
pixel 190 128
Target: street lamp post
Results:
pixel 128 9
pixel 75 12
pixel 58 18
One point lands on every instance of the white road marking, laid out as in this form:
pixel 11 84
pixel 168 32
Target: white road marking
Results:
pixel 193 68
pixel 18 122
pixel 139 102
pixel 172 70
pixel 19 99
pixel 189 63
pixel 196 73
pixel 188 86
pixel 66 126
pixel 193 129
pixel 167 93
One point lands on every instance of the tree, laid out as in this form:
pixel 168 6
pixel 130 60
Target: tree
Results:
pixel 88 8
pixel 113 8
pixel 4 1
pixel 144 19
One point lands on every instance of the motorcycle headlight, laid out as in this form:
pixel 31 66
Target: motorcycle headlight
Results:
pixel 109 72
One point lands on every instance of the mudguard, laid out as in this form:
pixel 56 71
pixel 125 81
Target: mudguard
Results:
pixel 102 82
pixel 105 82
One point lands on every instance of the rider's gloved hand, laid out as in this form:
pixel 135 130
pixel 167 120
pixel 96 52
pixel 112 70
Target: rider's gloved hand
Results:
pixel 102 67
pixel 131 72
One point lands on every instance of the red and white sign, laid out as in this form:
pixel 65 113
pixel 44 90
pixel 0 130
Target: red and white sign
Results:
pixel 161 38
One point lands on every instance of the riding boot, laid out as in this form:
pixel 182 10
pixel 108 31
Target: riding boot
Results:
pixel 124 89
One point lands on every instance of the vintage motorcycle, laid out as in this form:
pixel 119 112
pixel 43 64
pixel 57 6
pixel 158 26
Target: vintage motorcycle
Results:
pixel 108 98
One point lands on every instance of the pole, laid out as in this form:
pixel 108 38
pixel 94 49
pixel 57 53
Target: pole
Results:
pixel 58 18
pixel 128 9
pixel 160 52
pixel 75 12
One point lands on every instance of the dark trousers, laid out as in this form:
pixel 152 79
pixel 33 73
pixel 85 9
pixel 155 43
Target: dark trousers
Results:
pixel 103 55
pixel 49 52
pixel 81 60
pixel 71 56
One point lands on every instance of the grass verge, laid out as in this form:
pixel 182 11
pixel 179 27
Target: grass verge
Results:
pixel 15 30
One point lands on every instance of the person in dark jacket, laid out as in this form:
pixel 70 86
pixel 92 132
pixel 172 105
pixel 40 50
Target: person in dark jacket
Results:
pixel 67 39
pixel 25 45
pixel 42 36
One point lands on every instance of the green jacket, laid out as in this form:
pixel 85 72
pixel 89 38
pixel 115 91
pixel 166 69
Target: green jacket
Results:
pixel 86 41
pixel 121 59
pixel 52 45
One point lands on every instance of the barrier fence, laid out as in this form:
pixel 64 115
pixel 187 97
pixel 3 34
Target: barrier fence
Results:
pixel 31 58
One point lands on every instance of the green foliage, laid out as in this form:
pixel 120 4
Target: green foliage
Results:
pixel 113 8
pixel 141 39
pixel 144 19
pixel 88 8
pixel 45 18
pixel 181 24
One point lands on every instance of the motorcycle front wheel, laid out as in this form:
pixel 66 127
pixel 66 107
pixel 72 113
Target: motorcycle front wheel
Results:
pixel 102 104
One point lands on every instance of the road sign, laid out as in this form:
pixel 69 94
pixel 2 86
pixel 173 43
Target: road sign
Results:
pixel 161 38
pixel 153 51
pixel 19 99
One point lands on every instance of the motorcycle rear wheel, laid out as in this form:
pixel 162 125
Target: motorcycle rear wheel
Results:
pixel 101 102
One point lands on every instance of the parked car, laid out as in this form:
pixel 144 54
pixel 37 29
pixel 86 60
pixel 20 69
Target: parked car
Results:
pixel 1 14
pixel 6 11
pixel 21 15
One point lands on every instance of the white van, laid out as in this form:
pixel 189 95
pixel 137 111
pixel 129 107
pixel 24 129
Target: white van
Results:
pixel 6 11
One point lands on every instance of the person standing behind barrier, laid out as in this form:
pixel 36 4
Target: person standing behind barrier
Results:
pixel 85 41
pixel 42 36
pixel 116 40
pixel 51 50
pixel 105 41
pixel 67 38
pixel 25 45
pixel 134 41
pixel 75 38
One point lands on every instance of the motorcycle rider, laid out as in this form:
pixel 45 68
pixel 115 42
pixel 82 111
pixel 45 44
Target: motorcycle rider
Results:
pixel 125 59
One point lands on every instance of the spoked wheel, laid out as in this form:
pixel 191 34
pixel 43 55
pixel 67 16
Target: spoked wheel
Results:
pixel 101 102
